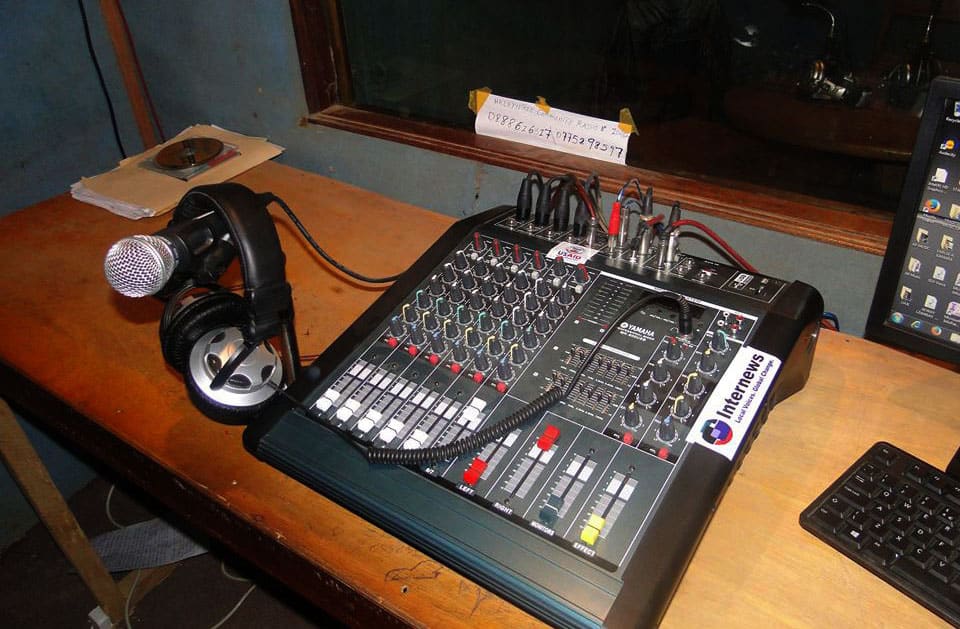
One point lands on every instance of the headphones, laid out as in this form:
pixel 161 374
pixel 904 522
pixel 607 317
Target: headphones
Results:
pixel 217 339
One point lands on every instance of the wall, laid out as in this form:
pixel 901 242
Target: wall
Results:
pixel 235 65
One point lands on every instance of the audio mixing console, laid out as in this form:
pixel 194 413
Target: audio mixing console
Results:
pixel 587 514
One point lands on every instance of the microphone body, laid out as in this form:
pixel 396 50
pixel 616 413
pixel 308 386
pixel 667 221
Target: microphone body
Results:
pixel 142 265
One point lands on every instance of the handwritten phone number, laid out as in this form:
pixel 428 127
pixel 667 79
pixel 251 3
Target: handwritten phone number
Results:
pixel 557 137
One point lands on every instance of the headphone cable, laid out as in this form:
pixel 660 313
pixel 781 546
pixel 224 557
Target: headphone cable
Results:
pixel 269 197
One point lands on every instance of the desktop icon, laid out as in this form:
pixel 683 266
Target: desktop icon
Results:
pixel 956 109
pixel 939 273
pixel 922 236
pixel 931 206
pixel 939 176
pixel 955 210
pixel 930 302
pixel 954 337
pixel 948 145
pixel 936 330
pixel 946 242
pixel 897 318
pixel 906 294
pixel 913 265
pixel 953 309
pixel 916 325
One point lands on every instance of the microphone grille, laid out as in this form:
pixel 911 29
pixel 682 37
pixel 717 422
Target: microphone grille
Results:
pixel 139 265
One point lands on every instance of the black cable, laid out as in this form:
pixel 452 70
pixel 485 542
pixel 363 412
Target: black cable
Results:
pixel 103 84
pixel 269 197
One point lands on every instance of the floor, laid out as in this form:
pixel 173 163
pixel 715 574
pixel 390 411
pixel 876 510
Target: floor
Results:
pixel 38 587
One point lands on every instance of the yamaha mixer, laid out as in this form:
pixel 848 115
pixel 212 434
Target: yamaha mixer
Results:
pixel 586 509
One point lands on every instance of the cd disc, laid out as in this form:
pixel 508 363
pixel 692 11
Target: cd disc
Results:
pixel 188 153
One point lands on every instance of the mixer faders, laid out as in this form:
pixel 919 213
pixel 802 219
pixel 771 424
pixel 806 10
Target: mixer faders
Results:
pixel 587 513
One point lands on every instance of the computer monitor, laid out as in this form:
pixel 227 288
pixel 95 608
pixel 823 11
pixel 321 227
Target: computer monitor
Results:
pixel 916 304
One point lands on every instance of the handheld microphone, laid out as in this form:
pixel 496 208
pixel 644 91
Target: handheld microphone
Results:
pixel 142 265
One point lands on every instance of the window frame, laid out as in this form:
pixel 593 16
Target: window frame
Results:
pixel 324 67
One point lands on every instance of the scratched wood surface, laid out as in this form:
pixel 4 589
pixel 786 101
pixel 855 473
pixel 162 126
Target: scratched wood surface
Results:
pixel 64 332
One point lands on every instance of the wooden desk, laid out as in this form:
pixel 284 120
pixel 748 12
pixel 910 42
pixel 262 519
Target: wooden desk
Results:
pixel 86 362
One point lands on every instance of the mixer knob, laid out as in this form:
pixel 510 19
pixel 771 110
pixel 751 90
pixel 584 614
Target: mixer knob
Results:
pixel 499 274
pixel 409 313
pixel 481 360
pixel 518 355
pixel 430 321
pixel 459 352
pixel 694 385
pixel 660 374
pixel 521 282
pixel 436 343
pixel 495 245
pixel 553 310
pixel 475 300
pixel 487 287
pixel 646 396
pixel 581 275
pixel 518 317
pixel 510 295
pixel 468 281
pixel 417 336
pixel 516 256
pixel 449 274
pixel 508 331
pixel 530 339
pixel 472 337
pixel 719 341
pixel 460 260
pixel 423 300
pixel 541 324
pixel 631 416
pixel 464 316
pixel 497 309
pixel 530 302
pixel 541 288
pixel 436 285
pixel 707 363
pixel 538 261
pixel 443 307
pixel 396 326
pixel 559 267
pixel 480 268
pixel 504 370
pixel 450 329
pixel 672 352
pixel 681 408
pixel 667 431
pixel 456 293
pixel 485 322
pixel 565 296
pixel 494 346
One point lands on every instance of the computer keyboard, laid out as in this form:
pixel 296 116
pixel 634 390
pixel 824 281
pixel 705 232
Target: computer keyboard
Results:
pixel 899 518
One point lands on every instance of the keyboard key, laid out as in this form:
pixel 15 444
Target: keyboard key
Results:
pixel 858 499
pixel 853 537
pixel 828 519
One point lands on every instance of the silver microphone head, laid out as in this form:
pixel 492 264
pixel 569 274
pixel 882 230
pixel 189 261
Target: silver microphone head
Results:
pixel 139 266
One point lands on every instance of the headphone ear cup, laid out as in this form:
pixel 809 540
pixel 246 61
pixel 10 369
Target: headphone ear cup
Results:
pixel 219 309
pixel 248 390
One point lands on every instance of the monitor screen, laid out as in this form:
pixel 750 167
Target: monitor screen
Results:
pixel 916 304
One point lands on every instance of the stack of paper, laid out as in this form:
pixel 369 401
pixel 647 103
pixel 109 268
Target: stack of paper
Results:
pixel 135 191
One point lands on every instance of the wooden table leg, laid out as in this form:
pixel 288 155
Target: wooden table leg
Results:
pixel 32 476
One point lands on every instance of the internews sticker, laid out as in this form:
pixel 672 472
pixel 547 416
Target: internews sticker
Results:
pixel 735 402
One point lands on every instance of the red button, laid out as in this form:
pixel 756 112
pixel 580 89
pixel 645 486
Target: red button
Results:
pixel 663 453
pixel 473 473
pixel 434 359
pixel 455 367
pixel 478 377
pixel 549 436
pixel 412 350
pixel 392 342
pixel 501 387
pixel 628 438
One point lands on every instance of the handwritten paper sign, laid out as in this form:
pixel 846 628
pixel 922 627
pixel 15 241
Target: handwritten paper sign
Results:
pixel 538 124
